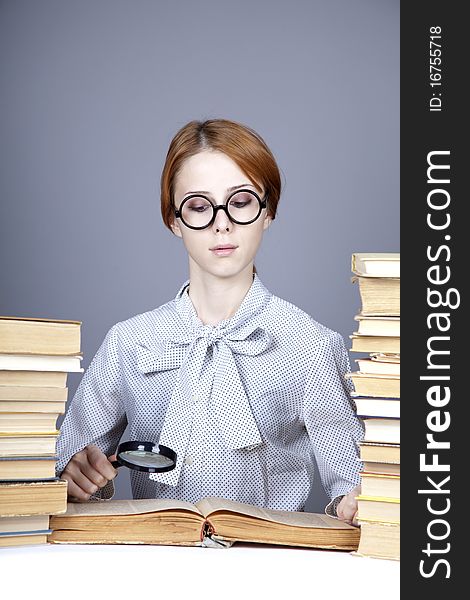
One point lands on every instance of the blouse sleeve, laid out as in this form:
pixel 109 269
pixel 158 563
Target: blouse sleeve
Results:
pixel 331 421
pixel 96 414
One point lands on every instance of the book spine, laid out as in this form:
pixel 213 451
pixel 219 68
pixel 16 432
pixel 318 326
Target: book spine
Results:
pixel 209 539
pixel 207 529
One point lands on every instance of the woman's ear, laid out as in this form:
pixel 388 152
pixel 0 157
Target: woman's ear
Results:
pixel 175 228
pixel 267 222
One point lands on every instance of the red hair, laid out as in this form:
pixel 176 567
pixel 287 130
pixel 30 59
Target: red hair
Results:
pixel 239 142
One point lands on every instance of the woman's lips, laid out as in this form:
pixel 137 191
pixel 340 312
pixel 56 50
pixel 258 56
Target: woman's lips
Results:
pixel 224 251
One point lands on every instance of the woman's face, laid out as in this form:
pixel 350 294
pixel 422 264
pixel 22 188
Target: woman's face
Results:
pixel 214 173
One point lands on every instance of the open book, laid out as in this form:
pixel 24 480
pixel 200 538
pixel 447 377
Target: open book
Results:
pixel 212 522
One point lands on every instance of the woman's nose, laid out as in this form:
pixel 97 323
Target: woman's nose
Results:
pixel 222 221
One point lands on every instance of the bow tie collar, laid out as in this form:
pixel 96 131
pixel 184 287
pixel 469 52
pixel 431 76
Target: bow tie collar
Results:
pixel 186 350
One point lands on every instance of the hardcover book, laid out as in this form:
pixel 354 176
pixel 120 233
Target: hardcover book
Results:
pixel 24 468
pixel 209 522
pixel 28 444
pixel 380 452
pixel 25 335
pixel 378 484
pixel 378 325
pixel 38 362
pixel 376 264
pixel 379 295
pixel 373 366
pixel 375 343
pixel 380 540
pixel 377 407
pixel 33 498
pixel 24 531
pixel 386 430
pixel 378 508
pixel 381 386
pixel 11 378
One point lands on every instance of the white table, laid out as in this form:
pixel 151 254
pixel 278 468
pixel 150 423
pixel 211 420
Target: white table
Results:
pixel 245 571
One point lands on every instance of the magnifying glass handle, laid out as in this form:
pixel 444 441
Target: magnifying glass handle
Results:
pixel 115 464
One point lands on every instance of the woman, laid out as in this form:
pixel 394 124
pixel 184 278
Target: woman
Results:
pixel 243 385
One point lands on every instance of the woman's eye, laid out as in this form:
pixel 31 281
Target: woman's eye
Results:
pixel 241 200
pixel 197 206
pixel 240 203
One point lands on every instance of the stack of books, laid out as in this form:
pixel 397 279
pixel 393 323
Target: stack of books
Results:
pixel 35 357
pixel 377 398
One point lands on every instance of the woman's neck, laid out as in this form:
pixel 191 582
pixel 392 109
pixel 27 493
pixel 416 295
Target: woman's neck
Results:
pixel 217 298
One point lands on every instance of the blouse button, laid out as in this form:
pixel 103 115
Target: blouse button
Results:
pixel 188 460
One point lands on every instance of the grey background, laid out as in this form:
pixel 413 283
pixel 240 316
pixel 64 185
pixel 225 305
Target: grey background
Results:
pixel 92 93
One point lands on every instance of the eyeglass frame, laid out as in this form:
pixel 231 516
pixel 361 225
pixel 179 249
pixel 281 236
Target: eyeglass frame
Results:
pixel 215 207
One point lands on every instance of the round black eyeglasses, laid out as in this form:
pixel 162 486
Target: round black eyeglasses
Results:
pixel 242 207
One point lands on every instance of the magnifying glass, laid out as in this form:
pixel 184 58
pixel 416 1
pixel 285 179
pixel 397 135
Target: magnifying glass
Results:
pixel 145 456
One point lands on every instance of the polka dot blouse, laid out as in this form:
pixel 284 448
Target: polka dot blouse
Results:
pixel 246 404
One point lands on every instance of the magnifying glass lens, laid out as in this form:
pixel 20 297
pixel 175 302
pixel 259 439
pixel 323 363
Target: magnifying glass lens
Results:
pixel 143 458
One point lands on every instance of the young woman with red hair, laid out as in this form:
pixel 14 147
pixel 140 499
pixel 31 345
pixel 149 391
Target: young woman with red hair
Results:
pixel 246 387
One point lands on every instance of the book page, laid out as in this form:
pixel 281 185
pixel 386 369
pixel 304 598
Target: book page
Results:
pixel 210 505
pixel 127 507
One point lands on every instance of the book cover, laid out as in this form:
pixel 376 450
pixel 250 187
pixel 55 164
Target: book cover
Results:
pixel 376 264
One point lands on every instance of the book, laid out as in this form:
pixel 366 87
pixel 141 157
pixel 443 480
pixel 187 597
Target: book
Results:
pixel 382 430
pixel 9 540
pixel 210 521
pixel 33 498
pixel 378 508
pixel 377 484
pixel 24 531
pixel 383 325
pixel 28 444
pixel 376 407
pixel 33 393
pixel 375 343
pixel 31 399
pixel 26 362
pixel 17 468
pixel 33 378
pixel 381 467
pixel 377 401
pixel 28 422
pixel 24 524
pixel 379 295
pixel 376 264
pixel 377 385
pixel 32 407
pixel 379 540
pixel 371 366
pixel 379 452
pixel 25 335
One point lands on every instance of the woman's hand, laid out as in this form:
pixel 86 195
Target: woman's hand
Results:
pixel 87 472
pixel 347 508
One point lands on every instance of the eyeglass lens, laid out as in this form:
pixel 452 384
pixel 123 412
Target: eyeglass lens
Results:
pixel 242 207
